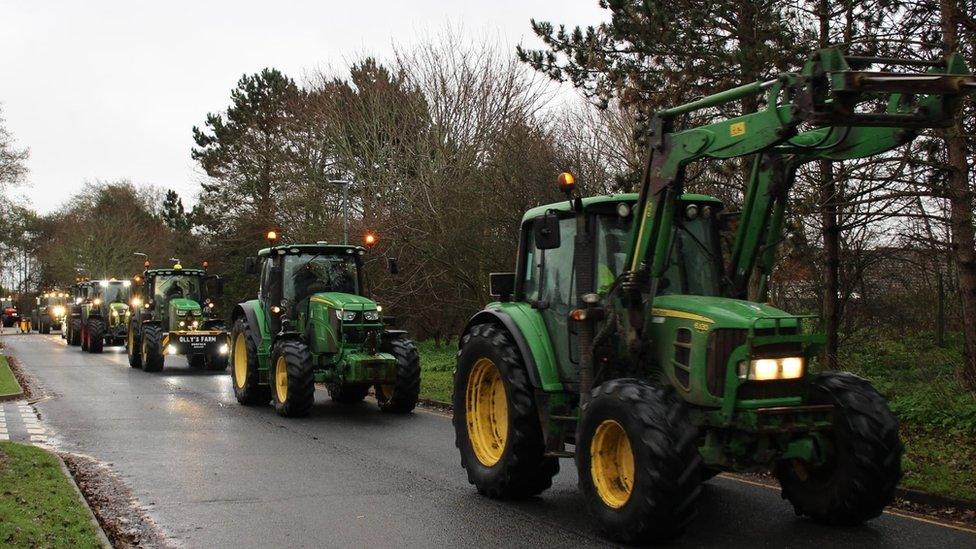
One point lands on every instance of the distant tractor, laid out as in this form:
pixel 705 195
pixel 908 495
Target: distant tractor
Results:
pixel 173 314
pixel 78 295
pixel 9 312
pixel 311 323
pixel 105 314
pixel 630 339
pixel 50 311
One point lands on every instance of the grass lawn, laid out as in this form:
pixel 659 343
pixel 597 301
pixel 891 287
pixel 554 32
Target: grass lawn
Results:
pixel 8 384
pixel 38 505
pixel 437 370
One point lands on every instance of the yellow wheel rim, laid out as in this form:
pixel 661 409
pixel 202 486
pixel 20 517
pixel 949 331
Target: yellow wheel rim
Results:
pixel 240 361
pixel 486 410
pixel 281 379
pixel 131 343
pixel 612 464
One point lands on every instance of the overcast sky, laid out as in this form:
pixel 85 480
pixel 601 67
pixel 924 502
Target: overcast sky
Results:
pixel 110 89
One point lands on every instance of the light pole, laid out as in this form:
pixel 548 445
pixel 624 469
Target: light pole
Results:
pixel 345 206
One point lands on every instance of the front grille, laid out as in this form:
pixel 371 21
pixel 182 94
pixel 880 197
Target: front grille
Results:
pixel 721 343
pixel 755 390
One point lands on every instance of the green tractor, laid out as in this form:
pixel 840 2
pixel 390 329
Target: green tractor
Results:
pixel 629 339
pixel 174 314
pixel 312 324
pixel 50 311
pixel 105 314
pixel 78 294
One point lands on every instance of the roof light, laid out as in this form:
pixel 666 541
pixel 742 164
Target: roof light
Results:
pixel 272 236
pixel 566 182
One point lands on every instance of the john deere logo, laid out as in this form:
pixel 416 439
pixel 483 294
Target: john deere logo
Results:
pixel 737 129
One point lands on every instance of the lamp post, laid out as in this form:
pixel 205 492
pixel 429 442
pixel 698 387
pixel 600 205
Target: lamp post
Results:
pixel 345 183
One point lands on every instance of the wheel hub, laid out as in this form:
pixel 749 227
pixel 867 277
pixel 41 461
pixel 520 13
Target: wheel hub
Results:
pixel 240 361
pixel 486 412
pixel 612 464
pixel 281 379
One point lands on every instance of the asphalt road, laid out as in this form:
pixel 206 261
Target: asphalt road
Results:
pixel 216 474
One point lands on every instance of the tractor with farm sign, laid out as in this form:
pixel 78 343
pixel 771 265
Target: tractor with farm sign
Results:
pixel 173 313
pixel 312 323
pixel 629 339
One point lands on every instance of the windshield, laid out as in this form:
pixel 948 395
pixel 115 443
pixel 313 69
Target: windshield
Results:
pixel 611 249
pixel 305 275
pixel 692 264
pixel 115 292
pixel 177 286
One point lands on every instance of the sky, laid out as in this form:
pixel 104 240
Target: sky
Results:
pixel 111 89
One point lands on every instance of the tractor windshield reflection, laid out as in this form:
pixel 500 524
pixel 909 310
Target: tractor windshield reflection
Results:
pixel 177 286
pixel 311 274
pixel 115 292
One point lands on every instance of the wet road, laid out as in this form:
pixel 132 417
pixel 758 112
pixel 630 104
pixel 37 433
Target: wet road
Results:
pixel 215 474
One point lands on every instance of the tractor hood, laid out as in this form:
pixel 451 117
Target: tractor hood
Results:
pixel 185 306
pixel 118 307
pixel 722 311
pixel 348 302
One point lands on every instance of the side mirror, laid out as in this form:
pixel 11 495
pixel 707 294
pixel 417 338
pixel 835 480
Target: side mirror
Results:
pixel 501 285
pixel 250 265
pixel 391 265
pixel 546 231
pixel 219 289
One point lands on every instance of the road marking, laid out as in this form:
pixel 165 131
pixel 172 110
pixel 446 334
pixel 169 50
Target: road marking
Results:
pixel 901 514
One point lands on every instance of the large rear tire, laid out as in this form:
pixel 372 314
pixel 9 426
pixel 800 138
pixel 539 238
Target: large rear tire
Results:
pixel 95 334
pixel 638 462
pixel 244 356
pixel 133 345
pixel 401 396
pixel 496 423
pixel 152 348
pixel 292 379
pixel 860 475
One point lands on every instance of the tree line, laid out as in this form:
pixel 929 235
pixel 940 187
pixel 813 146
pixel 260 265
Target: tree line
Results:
pixel 445 145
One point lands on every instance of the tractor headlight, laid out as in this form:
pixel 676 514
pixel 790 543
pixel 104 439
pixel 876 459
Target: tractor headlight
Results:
pixel 115 313
pixel 765 369
pixel 59 310
pixel 182 324
pixel 223 349
pixel 345 316
pixel 136 302
pixel 195 324
pixel 172 350
pixel 371 316
pixel 97 301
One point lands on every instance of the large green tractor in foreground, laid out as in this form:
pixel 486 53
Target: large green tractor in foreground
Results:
pixel 173 314
pixel 50 311
pixel 105 314
pixel 312 324
pixel 629 339
pixel 78 294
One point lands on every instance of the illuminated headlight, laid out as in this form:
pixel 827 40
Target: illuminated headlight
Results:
pixel 97 301
pixel 371 316
pixel 345 316
pixel 764 369
pixel 59 311
pixel 115 313
pixel 223 349
pixel 182 324
pixel 136 301
pixel 195 324
pixel 172 350
pixel 78 301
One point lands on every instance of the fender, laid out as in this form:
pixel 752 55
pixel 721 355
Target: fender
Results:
pixel 249 310
pixel 539 361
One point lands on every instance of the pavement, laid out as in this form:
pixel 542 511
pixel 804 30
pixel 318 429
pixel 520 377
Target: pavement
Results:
pixel 212 473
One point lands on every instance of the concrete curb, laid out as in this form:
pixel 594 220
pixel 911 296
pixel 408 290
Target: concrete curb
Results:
pixel 91 514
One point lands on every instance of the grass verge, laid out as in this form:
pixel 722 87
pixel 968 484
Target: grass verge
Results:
pixel 437 370
pixel 8 383
pixel 38 505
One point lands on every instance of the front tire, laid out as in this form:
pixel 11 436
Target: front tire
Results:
pixel 74 332
pixel 292 379
pixel 244 356
pixel 133 346
pixel 400 397
pixel 859 478
pixel 95 334
pixel 496 424
pixel 152 348
pixel 638 461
